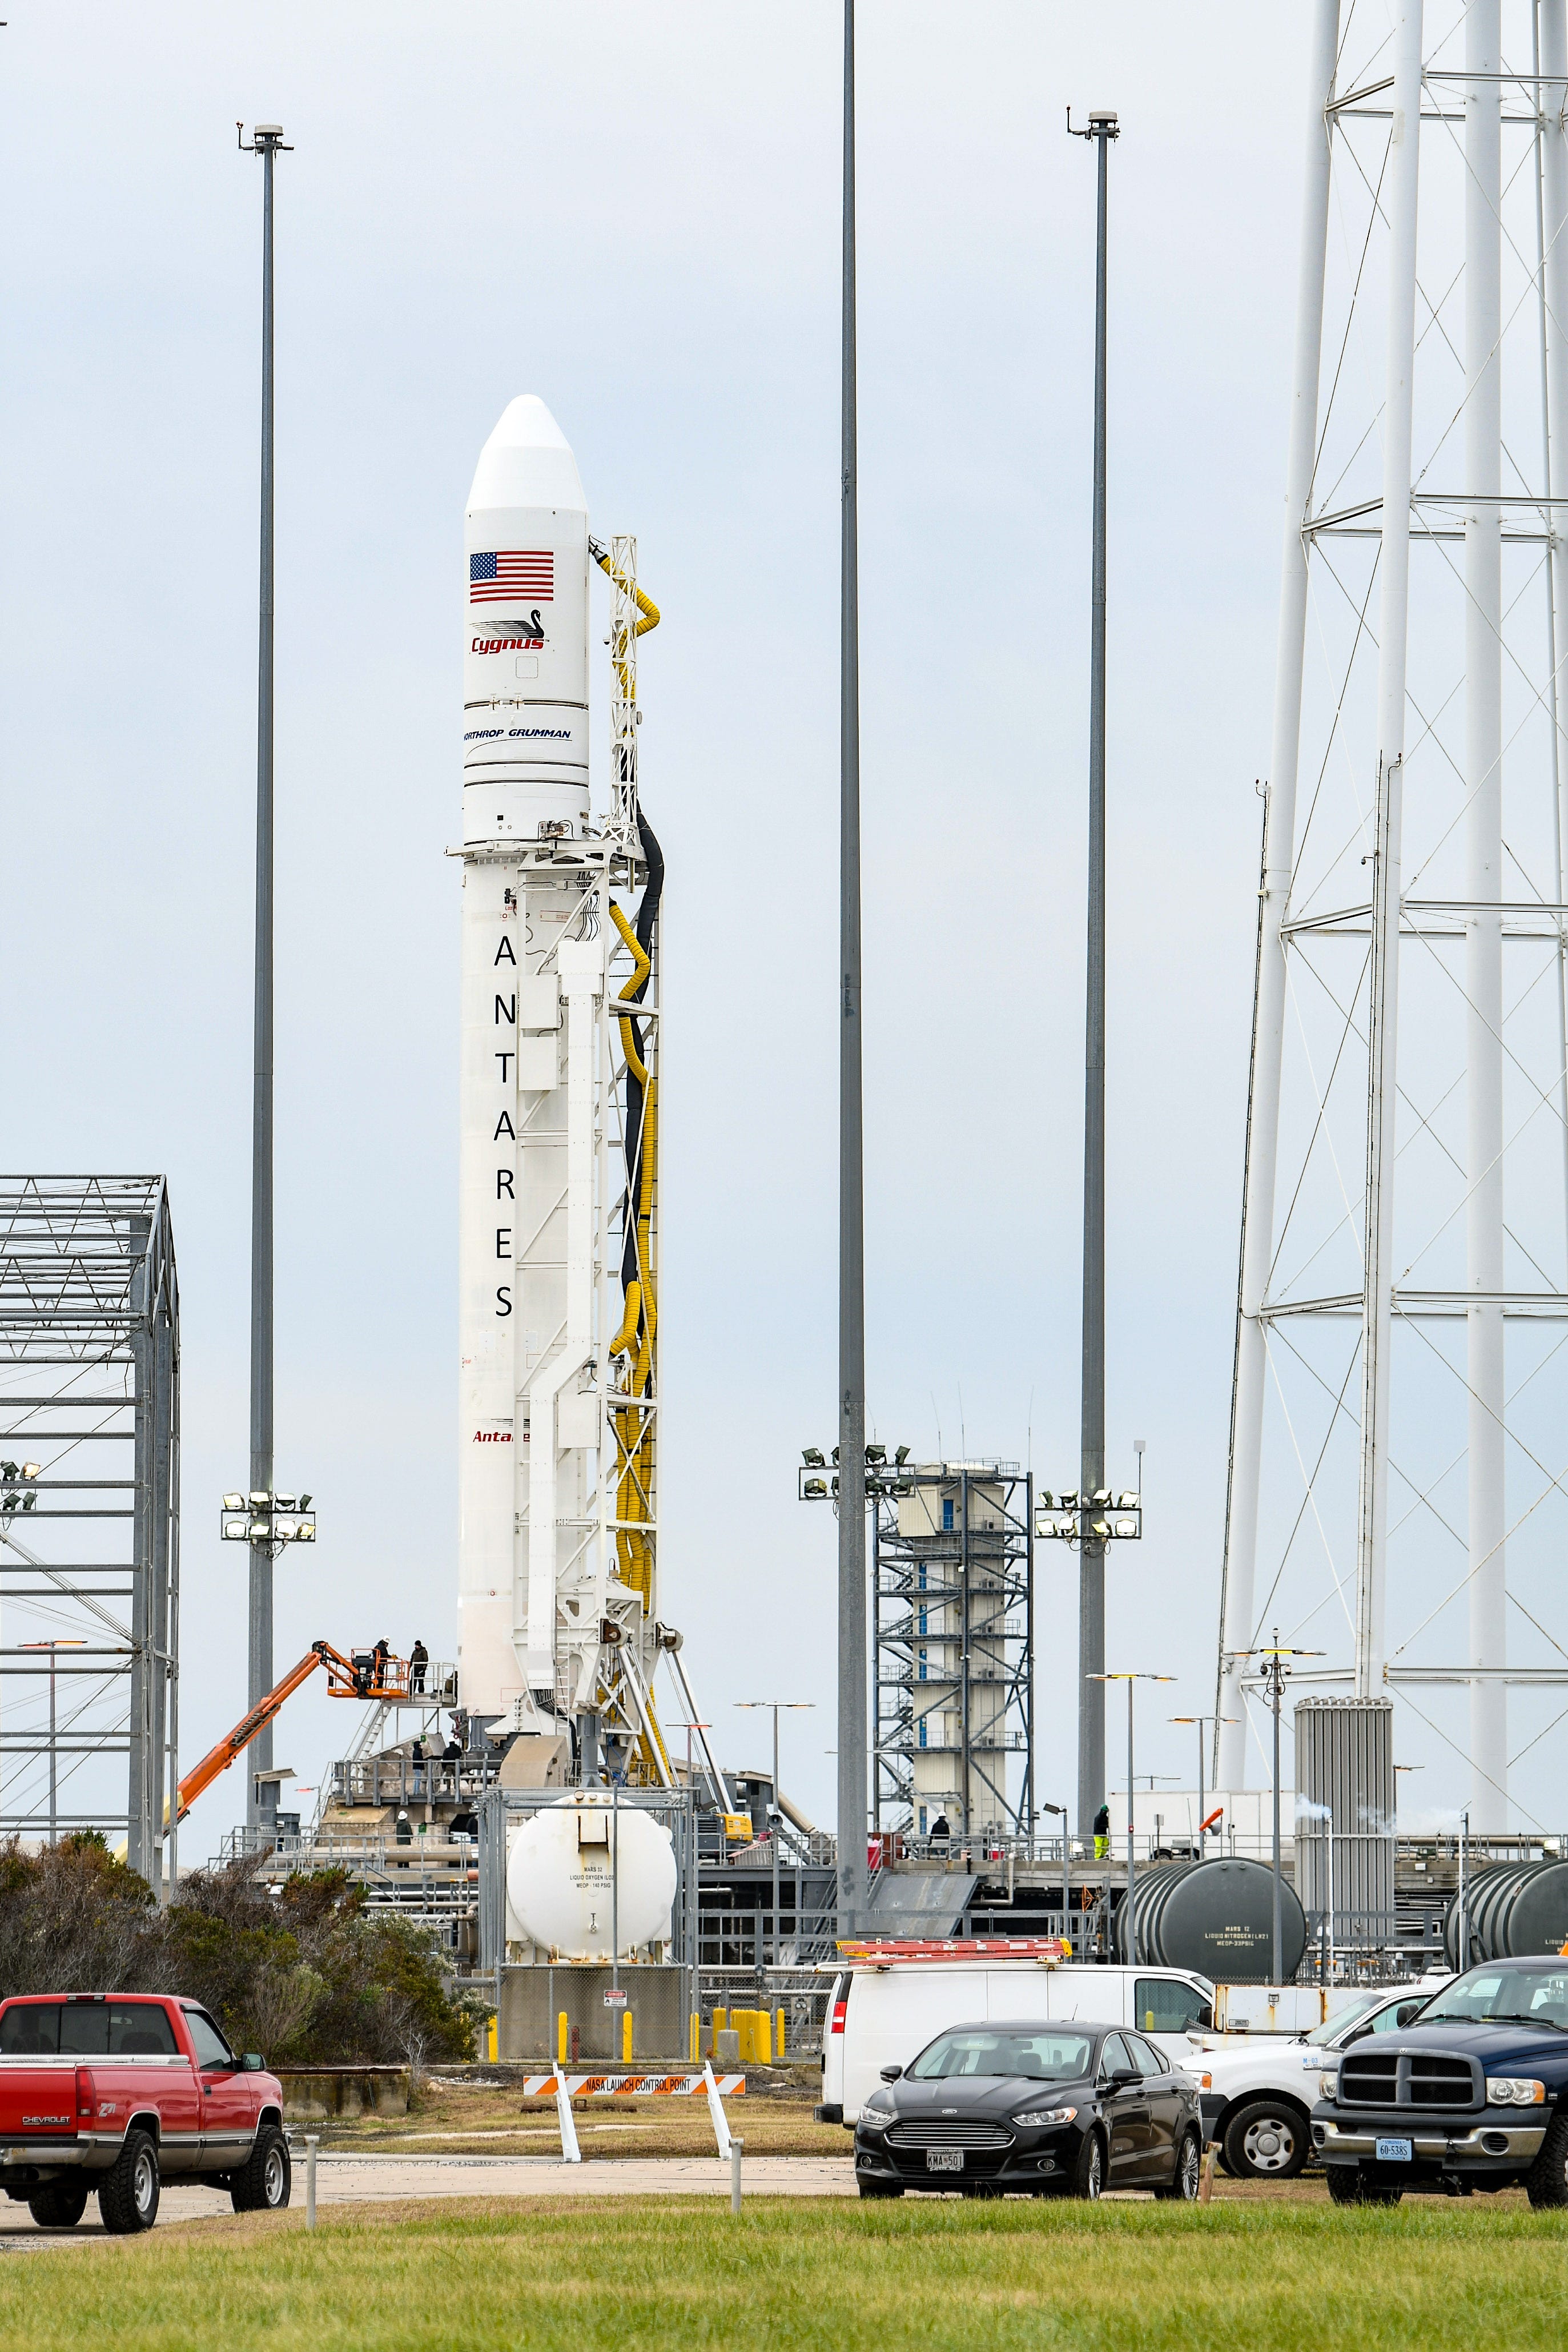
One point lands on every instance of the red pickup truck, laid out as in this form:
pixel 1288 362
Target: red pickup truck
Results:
pixel 116 2091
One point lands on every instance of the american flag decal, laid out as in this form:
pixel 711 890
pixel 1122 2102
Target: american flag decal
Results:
pixel 504 577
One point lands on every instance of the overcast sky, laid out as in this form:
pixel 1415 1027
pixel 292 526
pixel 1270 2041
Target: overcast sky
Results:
pixel 632 211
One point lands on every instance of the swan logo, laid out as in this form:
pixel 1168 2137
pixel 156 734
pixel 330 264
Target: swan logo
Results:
pixel 527 637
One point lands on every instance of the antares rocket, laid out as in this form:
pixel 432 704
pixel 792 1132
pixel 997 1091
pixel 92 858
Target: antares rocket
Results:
pixel 559 1176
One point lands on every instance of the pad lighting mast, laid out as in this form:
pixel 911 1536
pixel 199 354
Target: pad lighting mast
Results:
pixel 266 141
pixel 852 1598
pixel 1103 130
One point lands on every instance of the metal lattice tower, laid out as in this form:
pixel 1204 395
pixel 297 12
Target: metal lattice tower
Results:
pixel 89 1554
pixel 952 1573
pixel 1396 1494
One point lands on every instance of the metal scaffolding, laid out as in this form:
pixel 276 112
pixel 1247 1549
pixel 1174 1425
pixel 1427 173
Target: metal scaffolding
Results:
pixel 89 1512
pixel 953 1642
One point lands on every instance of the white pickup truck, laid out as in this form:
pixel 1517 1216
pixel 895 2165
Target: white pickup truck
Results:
pixel 1258 2095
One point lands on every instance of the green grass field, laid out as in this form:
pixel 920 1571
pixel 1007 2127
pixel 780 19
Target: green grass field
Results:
pixel 855 2278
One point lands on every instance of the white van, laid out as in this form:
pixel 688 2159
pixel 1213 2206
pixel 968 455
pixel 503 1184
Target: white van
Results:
pixel 883 2012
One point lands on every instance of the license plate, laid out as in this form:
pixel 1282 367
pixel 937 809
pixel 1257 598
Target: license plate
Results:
pixel 1395 2151
pixel 945 2159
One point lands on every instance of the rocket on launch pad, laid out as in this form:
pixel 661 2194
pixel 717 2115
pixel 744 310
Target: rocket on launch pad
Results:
pixel 559 1631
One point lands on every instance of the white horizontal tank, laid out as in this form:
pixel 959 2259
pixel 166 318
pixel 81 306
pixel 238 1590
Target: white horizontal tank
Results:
pixel 559 1877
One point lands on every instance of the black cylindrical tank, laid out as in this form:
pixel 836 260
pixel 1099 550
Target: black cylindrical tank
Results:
pixel 1215 1918
pixel 1520 1907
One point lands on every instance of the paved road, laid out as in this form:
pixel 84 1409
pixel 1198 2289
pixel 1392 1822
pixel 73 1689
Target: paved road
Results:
pixel 381 2179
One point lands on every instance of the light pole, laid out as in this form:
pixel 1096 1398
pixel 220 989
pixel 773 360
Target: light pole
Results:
pixel 1103 130
pixel 858 1474
pixel 266 141
pixel 852 1777
pixel 1093 1519
pixel 1060 1812
pixel 1462 1954
pixel 1200 1720
pixel 1130 1680
pixel 1276 1675
pixel 688 1728
pixel 774 1705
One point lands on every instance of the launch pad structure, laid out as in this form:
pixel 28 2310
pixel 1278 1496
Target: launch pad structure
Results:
pixel 90 1513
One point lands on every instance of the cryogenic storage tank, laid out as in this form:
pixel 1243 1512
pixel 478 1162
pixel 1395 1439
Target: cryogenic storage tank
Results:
pixel 1215 1918
pixel 1512 1910
pixel 579 1864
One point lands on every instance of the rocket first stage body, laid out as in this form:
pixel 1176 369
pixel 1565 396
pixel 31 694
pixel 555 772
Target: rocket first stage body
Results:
pixel 559 1242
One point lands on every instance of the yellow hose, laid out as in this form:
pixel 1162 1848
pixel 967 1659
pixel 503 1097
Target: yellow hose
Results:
pixel 639 1325
pixel 634 1429
pixel 634 1062
pixel 627 1336
pixel 646 605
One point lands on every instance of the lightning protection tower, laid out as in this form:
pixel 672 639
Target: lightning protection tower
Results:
pixel 1398 1495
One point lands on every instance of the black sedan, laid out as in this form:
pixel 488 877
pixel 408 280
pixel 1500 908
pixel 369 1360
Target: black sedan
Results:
pixel 1032 2110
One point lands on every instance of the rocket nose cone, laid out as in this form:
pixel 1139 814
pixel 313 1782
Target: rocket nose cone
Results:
pixel 526 462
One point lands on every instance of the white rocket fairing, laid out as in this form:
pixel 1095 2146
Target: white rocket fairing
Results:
pixel 525 661
pixel 558 1226
pixel 525 762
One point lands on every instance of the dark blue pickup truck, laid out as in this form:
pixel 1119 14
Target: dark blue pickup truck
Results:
pixel 1475 2097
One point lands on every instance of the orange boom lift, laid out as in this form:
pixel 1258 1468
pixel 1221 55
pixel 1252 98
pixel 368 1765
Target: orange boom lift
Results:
pixel 368 1675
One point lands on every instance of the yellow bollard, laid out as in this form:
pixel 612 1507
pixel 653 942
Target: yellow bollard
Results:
pixel 562 2039
pixel 764 2033
pixel 696 2049
pixel 779 2037
pixel 721 2025
pixel 493 2033
pixel 626 2039
pixel 741 2019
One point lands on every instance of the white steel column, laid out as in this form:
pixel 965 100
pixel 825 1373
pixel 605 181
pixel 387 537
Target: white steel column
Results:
pixel 1553 21
pixel 1483 888
pixel 1402 182
pixel 1263 1121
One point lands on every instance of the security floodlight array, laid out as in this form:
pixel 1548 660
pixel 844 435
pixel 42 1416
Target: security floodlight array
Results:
pixel 1102 1518
pixel 18 1494
pixel 268 1518
pixel 881 1476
